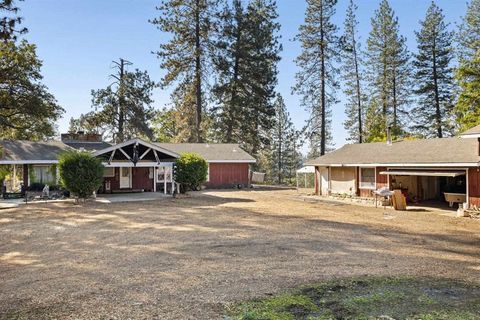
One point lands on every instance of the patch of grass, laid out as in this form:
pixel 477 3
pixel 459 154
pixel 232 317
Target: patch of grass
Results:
pixel 368 298
pixel 282 307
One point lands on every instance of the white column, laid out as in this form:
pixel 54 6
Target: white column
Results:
pixel 165 180
pixel 154 179
pixel 171 179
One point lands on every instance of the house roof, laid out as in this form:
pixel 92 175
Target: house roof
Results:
pixel 212 152
pixel 87 145
pixel 473 132
pixel 440 151
pixel 23 151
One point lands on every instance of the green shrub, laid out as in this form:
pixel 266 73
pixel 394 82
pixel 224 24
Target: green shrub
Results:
pixel 80 173
pixel 190 171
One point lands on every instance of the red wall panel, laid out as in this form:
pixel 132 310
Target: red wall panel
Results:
pixel 141 180
pixel 228 175
pixel 382 179
pixel 474 186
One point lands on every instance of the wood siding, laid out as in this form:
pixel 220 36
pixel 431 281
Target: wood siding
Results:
pixel 225 175
pixel 474 186
pixel 382 179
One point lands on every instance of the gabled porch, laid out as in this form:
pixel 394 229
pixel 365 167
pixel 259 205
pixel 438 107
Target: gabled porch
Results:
pixel 137 166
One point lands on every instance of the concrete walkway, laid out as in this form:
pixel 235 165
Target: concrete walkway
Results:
pixel 131 197
pixel 104 198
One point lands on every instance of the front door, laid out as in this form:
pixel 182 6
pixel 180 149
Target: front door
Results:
pixel 125 178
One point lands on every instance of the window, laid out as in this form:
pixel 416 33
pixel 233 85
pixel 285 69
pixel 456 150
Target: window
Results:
pixel 367 178
pixel 44 174
pixel 164 173
pixel 109 172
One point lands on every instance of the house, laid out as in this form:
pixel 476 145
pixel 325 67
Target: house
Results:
pixel 134 165
pixel 428 170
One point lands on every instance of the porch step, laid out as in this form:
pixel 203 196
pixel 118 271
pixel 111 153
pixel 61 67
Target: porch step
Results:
pixel 128 191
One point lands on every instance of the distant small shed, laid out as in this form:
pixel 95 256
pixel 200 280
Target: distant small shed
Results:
pixel 306 178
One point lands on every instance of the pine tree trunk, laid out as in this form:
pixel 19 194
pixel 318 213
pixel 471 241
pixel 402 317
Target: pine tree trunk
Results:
pixel 394 103
pixel 323 97
pixel 438 114
pixel 198 74
pixel 359 99
pixel 121 103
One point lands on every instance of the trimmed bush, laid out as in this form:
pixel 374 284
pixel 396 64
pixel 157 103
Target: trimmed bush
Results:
pixel 80 173
pixel 190 171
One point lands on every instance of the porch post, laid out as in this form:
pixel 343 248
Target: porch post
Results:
pixel 164 180
pixel 171 179
pixel 154 179
pixel 14 180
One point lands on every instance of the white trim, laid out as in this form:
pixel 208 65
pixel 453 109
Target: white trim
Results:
pixel 470 135
pixel 121 164
pixel 402 165
pixel 145 153
pixel 111 156
pixel 124 153
pixel 136 141
pixel 360 178
pixel 156 156
pixel 154 179
pixel 28 161
pixel 429 173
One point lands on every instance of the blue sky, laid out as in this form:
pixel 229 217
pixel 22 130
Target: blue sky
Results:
pixel 78 39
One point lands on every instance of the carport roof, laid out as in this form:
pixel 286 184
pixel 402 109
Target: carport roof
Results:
pixel 440 151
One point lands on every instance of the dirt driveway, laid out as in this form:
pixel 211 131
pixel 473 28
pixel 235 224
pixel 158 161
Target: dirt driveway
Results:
pixel 188 258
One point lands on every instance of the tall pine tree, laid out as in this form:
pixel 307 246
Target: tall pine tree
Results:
pixel 186 57
pixel 316 81
pixel 468 35
pixel 468 104
pixel 125 106
pixel 246 57
pixel 388 75
pixel 433 76
pixel 467 108
pixel 283 145
pixel 352 67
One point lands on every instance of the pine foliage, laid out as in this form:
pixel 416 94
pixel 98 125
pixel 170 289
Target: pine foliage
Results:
pixel 388 75
pixel 433 76
pixel 316 81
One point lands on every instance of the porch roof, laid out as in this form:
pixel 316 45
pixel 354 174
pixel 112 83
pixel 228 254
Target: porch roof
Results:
pixel 443 152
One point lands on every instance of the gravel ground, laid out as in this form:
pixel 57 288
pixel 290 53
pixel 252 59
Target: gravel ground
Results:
pixel 189 258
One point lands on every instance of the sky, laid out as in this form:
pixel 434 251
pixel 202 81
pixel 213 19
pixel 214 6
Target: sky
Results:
pixel 78 40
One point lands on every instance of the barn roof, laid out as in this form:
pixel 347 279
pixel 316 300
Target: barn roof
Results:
pixel 212 152
pixel 440 151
